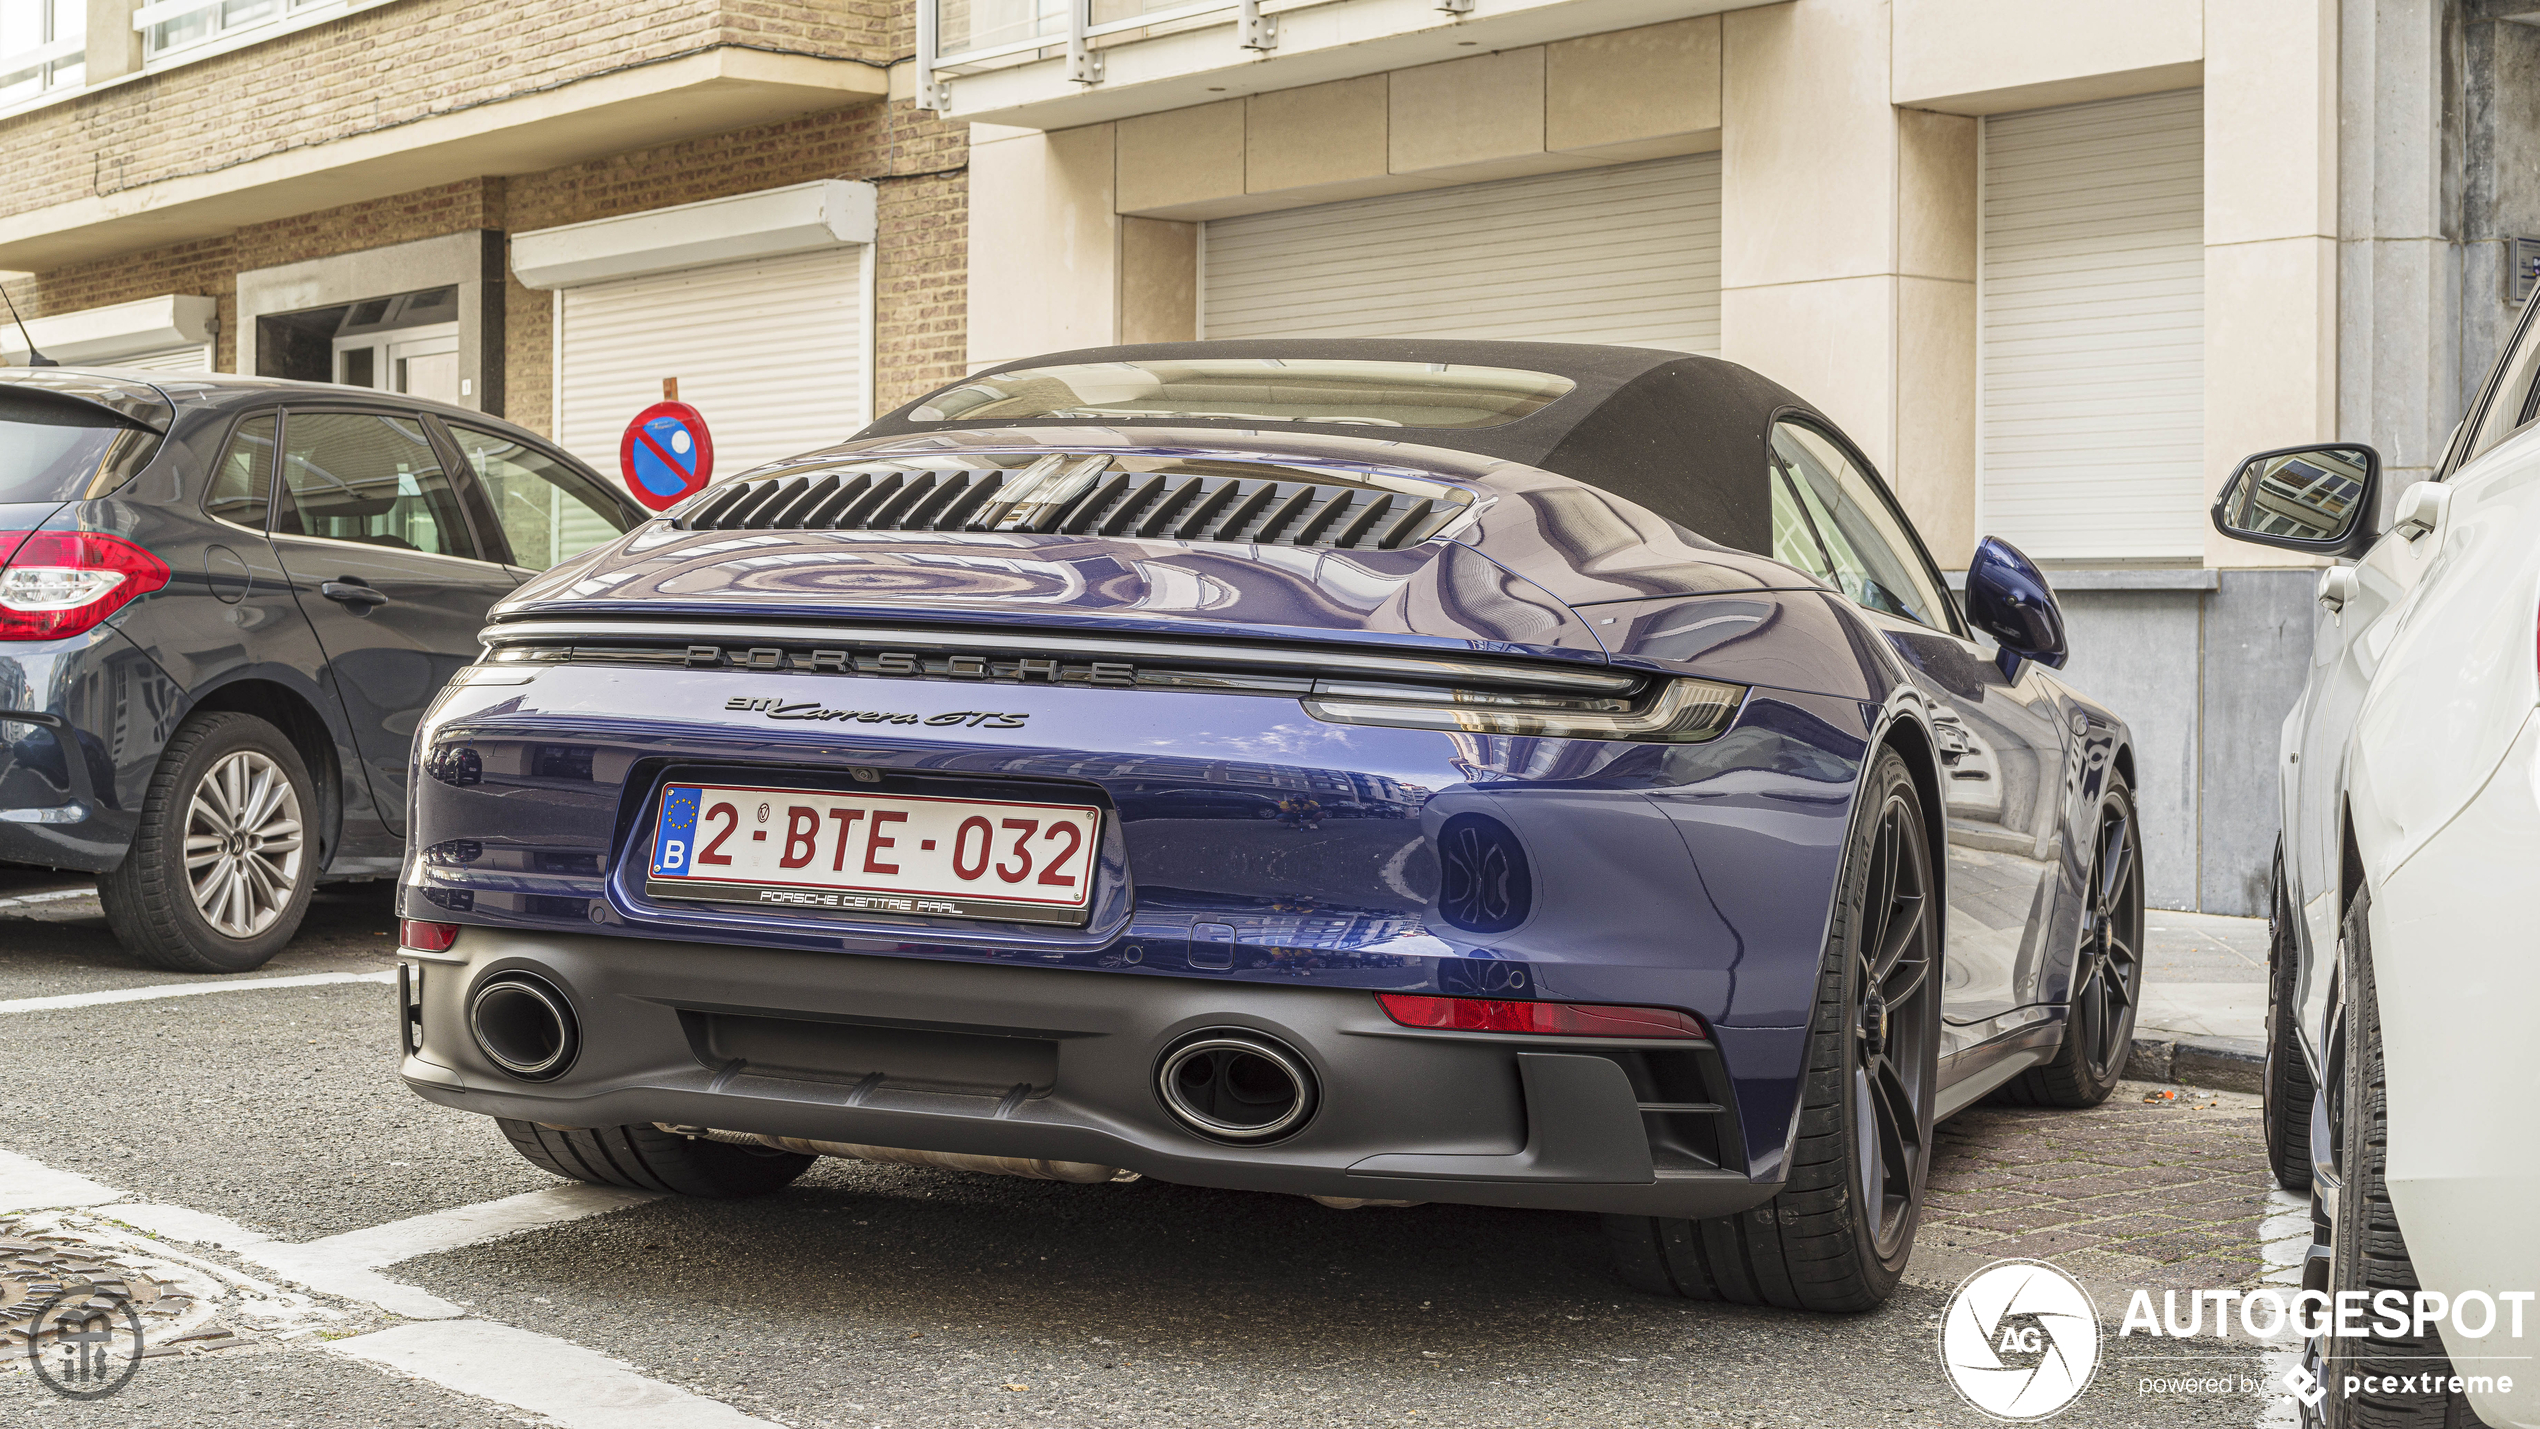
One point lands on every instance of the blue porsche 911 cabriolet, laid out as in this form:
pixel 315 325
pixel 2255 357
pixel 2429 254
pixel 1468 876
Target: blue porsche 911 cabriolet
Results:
pixel 1517 774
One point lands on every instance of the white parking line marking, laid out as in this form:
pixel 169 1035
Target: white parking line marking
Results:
pixel 184 989
pixel 579 1388
pixel 469 1225
pixel 2284 1238
pixel 31 1186
pixel 311 1263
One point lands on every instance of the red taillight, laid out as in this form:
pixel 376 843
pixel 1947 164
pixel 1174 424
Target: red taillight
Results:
pixel 61 583
pixel 1553 1019
pixel 428 937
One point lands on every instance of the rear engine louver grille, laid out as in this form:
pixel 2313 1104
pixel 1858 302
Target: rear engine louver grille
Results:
pixel 1095 502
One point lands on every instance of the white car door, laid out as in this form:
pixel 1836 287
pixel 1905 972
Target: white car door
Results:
pixel 2364 607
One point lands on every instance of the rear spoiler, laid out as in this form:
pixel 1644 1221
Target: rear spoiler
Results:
pixel 137 403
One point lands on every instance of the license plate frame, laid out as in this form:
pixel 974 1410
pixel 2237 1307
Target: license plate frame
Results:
pixel 858 863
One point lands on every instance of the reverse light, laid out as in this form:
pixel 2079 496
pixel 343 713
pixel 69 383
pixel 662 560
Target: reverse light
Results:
pixel 426 937
pixel 1543 1019
pixel 62 583
pixel 1681 712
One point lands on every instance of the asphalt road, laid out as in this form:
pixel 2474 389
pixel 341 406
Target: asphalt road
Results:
pixel 869 1295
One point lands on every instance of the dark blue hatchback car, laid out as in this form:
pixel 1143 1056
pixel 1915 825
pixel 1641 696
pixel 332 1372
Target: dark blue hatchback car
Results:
pixel 224 606
pixel 1513 774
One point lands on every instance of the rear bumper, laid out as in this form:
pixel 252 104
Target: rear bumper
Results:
pixel 1058 1064
pixel 66 756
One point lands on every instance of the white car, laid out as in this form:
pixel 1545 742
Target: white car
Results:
pixel 2406 962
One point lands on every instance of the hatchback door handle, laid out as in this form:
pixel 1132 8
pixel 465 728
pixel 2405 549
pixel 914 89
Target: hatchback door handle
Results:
pixel 351 593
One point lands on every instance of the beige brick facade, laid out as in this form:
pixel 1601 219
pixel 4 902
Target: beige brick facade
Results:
pixel 393 65
pixel 406 58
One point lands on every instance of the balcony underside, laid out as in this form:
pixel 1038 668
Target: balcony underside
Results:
pixel 704 93
pixel 1339 40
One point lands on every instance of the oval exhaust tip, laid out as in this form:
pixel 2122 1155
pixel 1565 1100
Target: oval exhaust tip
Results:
pixel 1233 1085
pixel 524 1026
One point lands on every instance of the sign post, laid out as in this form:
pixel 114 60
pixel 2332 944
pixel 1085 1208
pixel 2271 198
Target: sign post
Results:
pixel 666 455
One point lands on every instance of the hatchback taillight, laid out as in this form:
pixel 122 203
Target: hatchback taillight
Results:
pixel 61 583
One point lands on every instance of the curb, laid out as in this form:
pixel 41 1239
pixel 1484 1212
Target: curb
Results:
pixel 2230 1064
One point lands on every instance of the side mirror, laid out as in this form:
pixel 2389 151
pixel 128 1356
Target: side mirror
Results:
pixel 2008 598
pixel 2317 500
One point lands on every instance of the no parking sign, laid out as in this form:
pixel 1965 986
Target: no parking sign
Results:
pixel 666 454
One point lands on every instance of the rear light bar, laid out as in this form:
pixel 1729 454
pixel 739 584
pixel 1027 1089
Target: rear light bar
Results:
pixel 1683 711
pixel 1543 1019
pixel 426 937
pixel 55 584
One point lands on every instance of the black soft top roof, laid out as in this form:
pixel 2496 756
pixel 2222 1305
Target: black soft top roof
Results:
pixel 1684 436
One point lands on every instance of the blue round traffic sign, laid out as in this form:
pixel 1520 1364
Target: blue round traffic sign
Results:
pixel 666 455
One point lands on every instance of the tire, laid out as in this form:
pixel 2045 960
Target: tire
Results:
pixel 2368 1251
pixel 2107 972
pixel 647 1158
pixel 251 888
pixel 2287 1092
pixel 1811 1247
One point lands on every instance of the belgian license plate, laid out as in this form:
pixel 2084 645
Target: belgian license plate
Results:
pixel 876 853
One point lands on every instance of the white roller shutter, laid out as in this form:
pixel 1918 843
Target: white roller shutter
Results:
pixel 2093 337
pixel 193 357
pixel 1623 255
pixel 770 350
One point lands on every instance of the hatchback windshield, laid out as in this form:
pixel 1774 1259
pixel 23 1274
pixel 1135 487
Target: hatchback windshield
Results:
pixel 1253 389
pixel 56 450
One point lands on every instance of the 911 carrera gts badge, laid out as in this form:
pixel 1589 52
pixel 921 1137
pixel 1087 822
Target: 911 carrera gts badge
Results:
pixel 814 710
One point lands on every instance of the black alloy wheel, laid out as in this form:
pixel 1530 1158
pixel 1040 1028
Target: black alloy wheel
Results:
pixel 2107 971
pixel 1895 1027
pixel 1837 1235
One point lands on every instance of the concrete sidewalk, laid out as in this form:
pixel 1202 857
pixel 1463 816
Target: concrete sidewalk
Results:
pixel 2203 1018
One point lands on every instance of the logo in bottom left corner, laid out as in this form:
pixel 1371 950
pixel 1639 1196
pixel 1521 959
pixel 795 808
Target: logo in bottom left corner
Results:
pixel 85 1342
pixel 2020 1340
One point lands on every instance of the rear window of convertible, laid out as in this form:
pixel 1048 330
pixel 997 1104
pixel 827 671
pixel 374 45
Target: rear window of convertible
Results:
pixel 1254 389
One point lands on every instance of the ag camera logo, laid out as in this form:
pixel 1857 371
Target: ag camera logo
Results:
pixel 2020 1340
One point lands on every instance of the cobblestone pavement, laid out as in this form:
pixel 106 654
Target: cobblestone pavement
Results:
pixel 2163 1194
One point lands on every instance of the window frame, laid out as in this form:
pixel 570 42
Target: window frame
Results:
pixel 2461 453
pixel 220 450
pixel 460 487
pixel 481 502
pixel 1802 417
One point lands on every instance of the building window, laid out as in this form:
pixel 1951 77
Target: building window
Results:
pixel 43 46
pixel 172 25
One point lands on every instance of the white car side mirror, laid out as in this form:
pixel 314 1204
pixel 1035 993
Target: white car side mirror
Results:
pixel 2421 509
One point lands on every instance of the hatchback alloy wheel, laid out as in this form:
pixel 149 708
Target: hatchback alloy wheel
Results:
pixel 243 844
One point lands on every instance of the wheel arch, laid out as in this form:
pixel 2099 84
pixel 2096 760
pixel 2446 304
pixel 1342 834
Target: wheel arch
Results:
pixel 287 710
pixel 1913 743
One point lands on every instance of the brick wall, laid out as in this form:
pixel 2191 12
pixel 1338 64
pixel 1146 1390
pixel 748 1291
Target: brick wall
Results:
pixel 397 62
pixel 916 162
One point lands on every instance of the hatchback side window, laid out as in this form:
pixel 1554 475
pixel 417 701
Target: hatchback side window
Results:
pixel 242 485
pixel 352 476
pixel 547 510
pixel 1861 545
